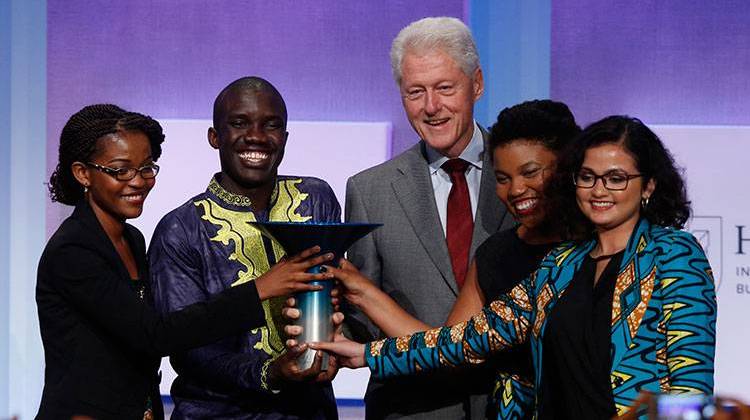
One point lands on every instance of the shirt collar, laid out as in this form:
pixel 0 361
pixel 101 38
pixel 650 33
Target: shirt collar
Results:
pixel 472 153
pixel 232 199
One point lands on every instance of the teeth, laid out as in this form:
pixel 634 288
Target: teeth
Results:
pixel 525 204
pixel 601 204
pixel 254 156
pixel 133 197
pixel 436 122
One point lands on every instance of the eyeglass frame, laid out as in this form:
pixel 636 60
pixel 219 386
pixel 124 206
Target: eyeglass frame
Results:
pixel 114 171
pixel 628 177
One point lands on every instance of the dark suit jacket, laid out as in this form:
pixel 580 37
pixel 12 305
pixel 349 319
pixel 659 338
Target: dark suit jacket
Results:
pixel 102 343
pixel 408 259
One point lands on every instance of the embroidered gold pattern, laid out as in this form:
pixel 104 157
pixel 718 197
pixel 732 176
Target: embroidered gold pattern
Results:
pixel 264 375
pixel 233 227
pixel 226 196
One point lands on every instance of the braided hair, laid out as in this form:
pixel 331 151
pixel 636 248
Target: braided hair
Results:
pixel 545 121
pixel 78 143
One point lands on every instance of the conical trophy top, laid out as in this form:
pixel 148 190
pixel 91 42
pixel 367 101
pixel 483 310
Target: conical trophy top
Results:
pixel 331 237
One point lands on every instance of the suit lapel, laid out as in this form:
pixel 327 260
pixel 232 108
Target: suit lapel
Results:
pixel 84 212
pixel 633 291
pixel 413 190
pixel 490 213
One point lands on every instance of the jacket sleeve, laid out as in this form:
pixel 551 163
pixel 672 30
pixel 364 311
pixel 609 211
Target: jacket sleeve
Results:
pixel 365 256
pixel 177 278
pixel 92 285
pixel 689 320
pixel 501 324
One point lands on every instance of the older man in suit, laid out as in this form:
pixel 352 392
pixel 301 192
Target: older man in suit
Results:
pixel 437 203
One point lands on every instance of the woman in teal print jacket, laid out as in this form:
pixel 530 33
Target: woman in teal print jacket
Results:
pixel 630 309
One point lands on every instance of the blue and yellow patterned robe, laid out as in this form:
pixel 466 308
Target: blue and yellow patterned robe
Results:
pixel 663 319
pixel 206 246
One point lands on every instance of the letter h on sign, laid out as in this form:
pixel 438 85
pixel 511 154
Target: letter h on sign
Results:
pixel 740 240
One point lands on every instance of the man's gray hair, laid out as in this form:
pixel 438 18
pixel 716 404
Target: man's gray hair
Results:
pixel 447 34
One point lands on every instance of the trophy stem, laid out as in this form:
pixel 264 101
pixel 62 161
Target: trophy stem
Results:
pixel 315 318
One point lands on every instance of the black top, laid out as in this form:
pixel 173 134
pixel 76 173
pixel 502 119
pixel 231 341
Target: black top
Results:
pixel 577 348
pixel 503 261
pixel 102 341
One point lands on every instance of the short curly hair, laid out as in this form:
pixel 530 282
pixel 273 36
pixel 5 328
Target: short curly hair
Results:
pixel 78 143
pixel 545 121
pixel 668 205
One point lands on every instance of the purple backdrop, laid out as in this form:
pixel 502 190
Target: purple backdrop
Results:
pixel 328 58
pixel 672 61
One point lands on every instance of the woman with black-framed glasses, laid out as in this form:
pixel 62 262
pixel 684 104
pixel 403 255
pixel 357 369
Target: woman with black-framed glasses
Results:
pixel 102 339
pixel 629 307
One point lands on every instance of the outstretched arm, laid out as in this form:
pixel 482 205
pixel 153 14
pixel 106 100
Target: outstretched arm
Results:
pixel 470 299
pixel 383 311
pixel 501 324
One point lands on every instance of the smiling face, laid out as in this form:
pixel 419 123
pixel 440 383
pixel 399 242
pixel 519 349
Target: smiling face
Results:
pixel 439 98
pixel 612 210
pixel 522 167
pixel 250 135
pixel 110 198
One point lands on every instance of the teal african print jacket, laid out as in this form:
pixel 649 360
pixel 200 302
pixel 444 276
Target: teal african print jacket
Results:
pixel 663 319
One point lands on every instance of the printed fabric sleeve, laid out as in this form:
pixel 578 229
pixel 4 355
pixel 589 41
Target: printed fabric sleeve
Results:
pixel 177 282
pixel 501 324
pixel 689 320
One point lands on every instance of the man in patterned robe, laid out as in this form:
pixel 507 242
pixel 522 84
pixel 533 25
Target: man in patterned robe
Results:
pixel 206 246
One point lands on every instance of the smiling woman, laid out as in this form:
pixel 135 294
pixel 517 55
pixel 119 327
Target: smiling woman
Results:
pixel 102 339
pixel 630 307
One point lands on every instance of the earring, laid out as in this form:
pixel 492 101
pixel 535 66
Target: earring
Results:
pixel 644 202
pixel 85 189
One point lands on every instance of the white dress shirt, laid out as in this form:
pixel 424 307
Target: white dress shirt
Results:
pixel 441 181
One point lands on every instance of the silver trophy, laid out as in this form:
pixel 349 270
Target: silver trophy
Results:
pixel 315 306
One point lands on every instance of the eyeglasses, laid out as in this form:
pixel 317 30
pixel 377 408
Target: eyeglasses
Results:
pixel 126 174
pixel 613 180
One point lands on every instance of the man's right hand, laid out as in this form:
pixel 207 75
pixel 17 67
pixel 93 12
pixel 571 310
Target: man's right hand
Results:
pixel 290 275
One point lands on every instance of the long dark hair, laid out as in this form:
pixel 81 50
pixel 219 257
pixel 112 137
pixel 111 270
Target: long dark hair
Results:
pixel 78 143
pixel 668 205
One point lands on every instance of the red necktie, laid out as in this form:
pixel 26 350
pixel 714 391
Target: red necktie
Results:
pixel 460 223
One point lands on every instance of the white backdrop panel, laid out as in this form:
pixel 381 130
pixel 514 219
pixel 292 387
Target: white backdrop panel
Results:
pixel 715 160
pixel 332 151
